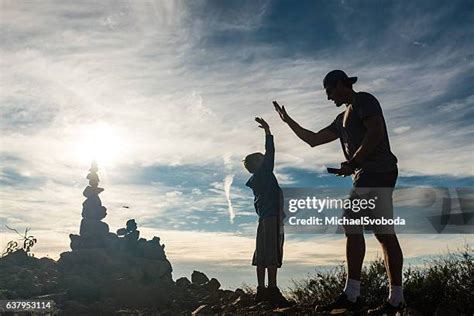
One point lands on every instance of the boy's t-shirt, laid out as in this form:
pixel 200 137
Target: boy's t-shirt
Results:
pixel 350 129
pixel 268 199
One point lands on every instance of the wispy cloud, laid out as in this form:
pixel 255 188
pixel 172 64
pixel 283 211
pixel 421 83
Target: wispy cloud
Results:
pixel 227 184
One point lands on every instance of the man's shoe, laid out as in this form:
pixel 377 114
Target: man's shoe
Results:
pixel 386 309
pixel 342 303
pixel 261 294
pixel 276 298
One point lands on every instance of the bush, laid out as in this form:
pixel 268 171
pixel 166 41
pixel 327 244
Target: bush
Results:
pixel 445 282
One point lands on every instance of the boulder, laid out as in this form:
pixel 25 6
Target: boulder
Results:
pixel 152 250
pixel 90 242
pixel 93 177
pixel 212 286
pixel 18 257
pixel 75 242
pixel 90 192
pixel 86 260
pixel 93 210
pixel 132 237
pixel 91 227
pixel 111 241
pixel 151 270
pixel 92 202
pixel 199 278
pixel 131 225
pixel 121 231
pixel 183 282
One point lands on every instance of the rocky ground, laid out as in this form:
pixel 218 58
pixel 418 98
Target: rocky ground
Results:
pixel 92 282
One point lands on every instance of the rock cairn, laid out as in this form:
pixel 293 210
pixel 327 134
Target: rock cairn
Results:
pixel 124 268
pixel 93 232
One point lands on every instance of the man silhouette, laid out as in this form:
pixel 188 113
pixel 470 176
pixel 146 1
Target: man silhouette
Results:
pixel 362 132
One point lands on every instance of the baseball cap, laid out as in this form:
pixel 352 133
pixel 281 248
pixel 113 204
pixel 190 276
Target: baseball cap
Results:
pixel 334 76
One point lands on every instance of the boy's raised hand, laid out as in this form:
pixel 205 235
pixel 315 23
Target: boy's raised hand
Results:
pixel 262 123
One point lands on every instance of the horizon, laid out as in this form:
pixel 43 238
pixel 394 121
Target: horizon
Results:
pixel 164 94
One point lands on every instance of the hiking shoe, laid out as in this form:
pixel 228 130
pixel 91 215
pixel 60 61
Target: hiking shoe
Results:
pixel 276 298
pixel 342 303
pixel 386 309
pixel 261 294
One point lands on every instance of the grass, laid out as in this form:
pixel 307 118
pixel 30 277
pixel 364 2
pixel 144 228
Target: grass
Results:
pixel 445 282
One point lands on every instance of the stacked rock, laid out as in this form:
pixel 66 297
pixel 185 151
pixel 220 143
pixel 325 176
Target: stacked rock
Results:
pixel 129 236
pixel 92 209
pixel 130 231
pixel 93 232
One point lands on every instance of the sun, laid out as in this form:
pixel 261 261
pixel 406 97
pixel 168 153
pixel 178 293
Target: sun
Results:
pixel 99 142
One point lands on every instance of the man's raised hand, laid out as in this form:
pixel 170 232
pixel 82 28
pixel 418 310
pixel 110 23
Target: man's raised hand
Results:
pixel 281 111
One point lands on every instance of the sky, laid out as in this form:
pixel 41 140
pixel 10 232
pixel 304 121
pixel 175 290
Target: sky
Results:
pixel 163 95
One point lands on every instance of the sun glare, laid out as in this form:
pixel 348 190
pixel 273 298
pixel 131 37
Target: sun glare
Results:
pixel 99 142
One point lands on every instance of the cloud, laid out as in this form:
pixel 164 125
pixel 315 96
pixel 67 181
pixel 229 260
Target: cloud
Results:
pixel 179 84
pixel 227 185
pixel 173 194
pixel 401 129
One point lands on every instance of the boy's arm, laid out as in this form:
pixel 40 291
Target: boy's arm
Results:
pixel 269 158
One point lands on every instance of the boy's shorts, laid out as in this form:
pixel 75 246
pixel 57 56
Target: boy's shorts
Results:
pixel 376 186
pixel 269 243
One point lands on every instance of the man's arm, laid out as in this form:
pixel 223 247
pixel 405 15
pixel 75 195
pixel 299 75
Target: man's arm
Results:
pixel 311 138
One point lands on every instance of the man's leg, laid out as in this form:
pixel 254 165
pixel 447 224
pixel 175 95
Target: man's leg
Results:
pixel 261 276
pixel 272 276
pixel 355 253
pixel 393 259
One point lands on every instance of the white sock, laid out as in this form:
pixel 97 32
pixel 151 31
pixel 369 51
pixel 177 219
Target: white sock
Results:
pixel 395 296
pixel 352 289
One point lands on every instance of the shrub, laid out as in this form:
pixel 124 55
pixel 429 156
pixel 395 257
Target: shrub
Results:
pixel 443 282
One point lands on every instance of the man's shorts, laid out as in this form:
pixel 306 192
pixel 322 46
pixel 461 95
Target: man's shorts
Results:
pixel 377 189
pixel 269 243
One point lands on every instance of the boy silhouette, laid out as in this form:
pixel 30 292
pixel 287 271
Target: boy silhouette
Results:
pixel 268 204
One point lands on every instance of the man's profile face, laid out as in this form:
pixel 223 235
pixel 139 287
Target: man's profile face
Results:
pixel 335 94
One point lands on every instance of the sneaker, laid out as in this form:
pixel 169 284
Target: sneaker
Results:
pixel 386 309
pixel 276 298
pixel 261 294
pixel 342 303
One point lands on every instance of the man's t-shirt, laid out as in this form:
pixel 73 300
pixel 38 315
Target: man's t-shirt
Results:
pixel 350 129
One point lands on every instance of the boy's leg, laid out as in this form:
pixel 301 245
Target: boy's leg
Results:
pixel 261 276
pixel 272 276
pixel 261 294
